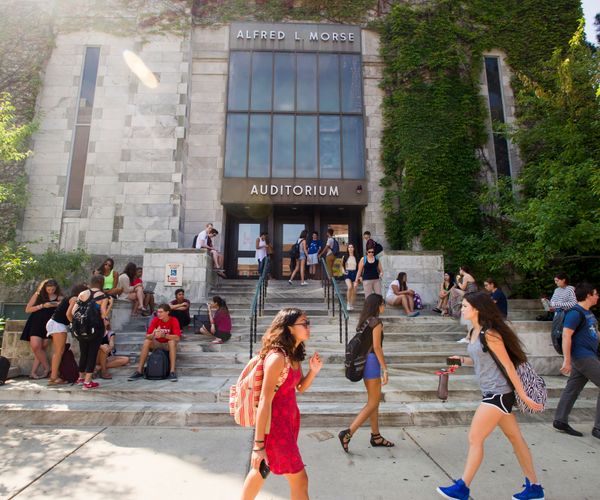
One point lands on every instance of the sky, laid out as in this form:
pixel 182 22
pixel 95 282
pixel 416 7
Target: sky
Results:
pixel 590 9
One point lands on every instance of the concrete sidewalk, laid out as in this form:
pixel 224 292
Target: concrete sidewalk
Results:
pixel 210 463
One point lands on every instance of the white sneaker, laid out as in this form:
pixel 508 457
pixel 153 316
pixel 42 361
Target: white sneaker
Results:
pixel 304 283
pixel 464 340
pixel 350 308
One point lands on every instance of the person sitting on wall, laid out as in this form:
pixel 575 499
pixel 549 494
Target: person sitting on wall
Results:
pixel 163 333
pixel 220 321
pixel 202 235
pixel 130 292
pixel 180 308
pixel 208 244
pixel 148 295
pixel 444 294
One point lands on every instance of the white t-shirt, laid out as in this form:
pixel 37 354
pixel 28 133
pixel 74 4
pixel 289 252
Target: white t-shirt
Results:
pixel 390 291
pixel 201 240
pixel 351 263
pixel 330 245
pixel 261 251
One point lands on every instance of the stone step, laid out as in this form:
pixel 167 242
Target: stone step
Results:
pixel 194 389
pixel 181 414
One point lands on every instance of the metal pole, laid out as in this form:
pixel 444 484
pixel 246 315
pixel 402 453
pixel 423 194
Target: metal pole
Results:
pixel 340 323
pixel 251 336
pixel 346 319
pixel 255 326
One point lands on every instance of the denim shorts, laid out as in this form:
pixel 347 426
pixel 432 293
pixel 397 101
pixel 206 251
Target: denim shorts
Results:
pixel 372 367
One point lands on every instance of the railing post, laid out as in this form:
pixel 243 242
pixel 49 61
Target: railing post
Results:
pixel 333 304
pixel 346 320
pixel 251 335
pixel 340 322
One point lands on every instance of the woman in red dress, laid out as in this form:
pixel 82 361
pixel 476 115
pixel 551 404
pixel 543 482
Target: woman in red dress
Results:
pixel 283 350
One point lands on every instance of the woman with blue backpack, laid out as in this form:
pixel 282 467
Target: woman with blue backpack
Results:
pixel 375 373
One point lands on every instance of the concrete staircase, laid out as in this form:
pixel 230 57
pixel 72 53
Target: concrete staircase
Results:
pixel 414 349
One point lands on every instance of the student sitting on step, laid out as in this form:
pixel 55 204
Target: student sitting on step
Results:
pixel 180 308
pixel 220 321
pixel 107 357
pixel 163 333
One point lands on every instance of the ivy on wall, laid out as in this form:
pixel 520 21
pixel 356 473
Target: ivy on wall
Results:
pixel 435 117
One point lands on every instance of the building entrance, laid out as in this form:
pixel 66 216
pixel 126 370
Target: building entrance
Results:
pixel 284 225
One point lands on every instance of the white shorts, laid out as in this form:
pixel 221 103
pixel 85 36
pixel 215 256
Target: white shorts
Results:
pixel 312 259
pixel 53 327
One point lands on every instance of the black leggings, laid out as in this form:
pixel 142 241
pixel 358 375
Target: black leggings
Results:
pixel 88 354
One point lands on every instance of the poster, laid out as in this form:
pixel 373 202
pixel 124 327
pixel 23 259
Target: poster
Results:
pixel 174 275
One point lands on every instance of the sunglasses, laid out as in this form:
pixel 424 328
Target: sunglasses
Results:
pixel 370 251
pixel 305 324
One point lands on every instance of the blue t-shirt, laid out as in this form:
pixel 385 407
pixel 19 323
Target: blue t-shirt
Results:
pixel 584 342
pixel 500 299
pixel 314 246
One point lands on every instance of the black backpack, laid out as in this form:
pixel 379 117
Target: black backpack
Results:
pixel 378 248
pixel 336 247
pixel 356 353
pixel 157 367
pixel 4 367
pixel 558 325
pixel 68 368
pixel 194 241
pixel 295 251
pixel 87 322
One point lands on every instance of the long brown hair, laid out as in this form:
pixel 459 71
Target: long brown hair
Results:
pixel 370 310
pixel 279 335
pixel 490 318
pixel 43 294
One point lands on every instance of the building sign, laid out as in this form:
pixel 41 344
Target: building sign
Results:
pixel 298 37
pixel 174 275
pixel 286 191
pixel 294 190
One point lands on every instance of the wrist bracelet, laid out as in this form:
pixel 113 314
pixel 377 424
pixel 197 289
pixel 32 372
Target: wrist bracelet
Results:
pixel 259 449
pixel 259 440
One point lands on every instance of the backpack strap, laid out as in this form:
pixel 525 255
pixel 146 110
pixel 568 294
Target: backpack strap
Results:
pixel 486 348
pixel 286 368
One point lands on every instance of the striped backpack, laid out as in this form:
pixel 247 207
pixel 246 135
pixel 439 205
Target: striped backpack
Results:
pixel 245 394
pixel 533 385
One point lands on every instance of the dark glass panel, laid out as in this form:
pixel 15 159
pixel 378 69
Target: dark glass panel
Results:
pixel 329 147
pixel 351 83
pixel 306 77
pixel 260 146
pixel 285 81
pixel 329 83
pixel 236 145
pixel 78 162
pixel 283 146
pixel 306 146
pixel 239 81
pixel 262 81
pixel 353 140
pixel 88 85
pixel 492 73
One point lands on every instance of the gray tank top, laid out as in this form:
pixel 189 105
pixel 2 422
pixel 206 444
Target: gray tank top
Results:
pixel 491 379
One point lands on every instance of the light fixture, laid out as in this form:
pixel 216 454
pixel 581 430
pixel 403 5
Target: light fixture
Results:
pixel 359 189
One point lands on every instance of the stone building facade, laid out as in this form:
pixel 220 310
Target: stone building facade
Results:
pixel 153 172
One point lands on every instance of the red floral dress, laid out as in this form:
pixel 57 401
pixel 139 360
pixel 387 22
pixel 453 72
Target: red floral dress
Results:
pixel 281 444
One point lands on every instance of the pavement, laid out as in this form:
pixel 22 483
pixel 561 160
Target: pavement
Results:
pixel 210 463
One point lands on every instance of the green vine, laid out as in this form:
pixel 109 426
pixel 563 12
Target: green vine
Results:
pixel 434 115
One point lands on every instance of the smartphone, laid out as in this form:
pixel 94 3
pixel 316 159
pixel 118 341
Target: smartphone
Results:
pixel 453 361
pixel 264 469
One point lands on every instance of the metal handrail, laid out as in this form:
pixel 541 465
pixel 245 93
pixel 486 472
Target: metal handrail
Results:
pixel 258 303
pixel 332 292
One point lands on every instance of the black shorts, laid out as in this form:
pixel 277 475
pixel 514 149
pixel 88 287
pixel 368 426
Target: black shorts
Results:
pixel 504 402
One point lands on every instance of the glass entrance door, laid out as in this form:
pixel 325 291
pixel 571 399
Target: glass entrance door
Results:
pixel 289 235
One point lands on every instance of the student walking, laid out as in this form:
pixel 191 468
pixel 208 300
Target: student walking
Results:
pixel 498 394
pixel 581 363
pixel 282 347
pixel 314 247
pixel 301 259
pixel 374 376
pixel 350 270
pixel 370 273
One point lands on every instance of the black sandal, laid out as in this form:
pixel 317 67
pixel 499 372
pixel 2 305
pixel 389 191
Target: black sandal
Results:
pixel 345 436
pixel 379 440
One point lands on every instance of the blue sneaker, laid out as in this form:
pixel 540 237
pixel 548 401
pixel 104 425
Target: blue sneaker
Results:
pixel 531 492
pixel 458 491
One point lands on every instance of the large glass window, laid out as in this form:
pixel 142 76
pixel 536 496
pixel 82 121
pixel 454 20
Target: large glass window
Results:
pixel 492 73
pixel 295 115
pixel 81 138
